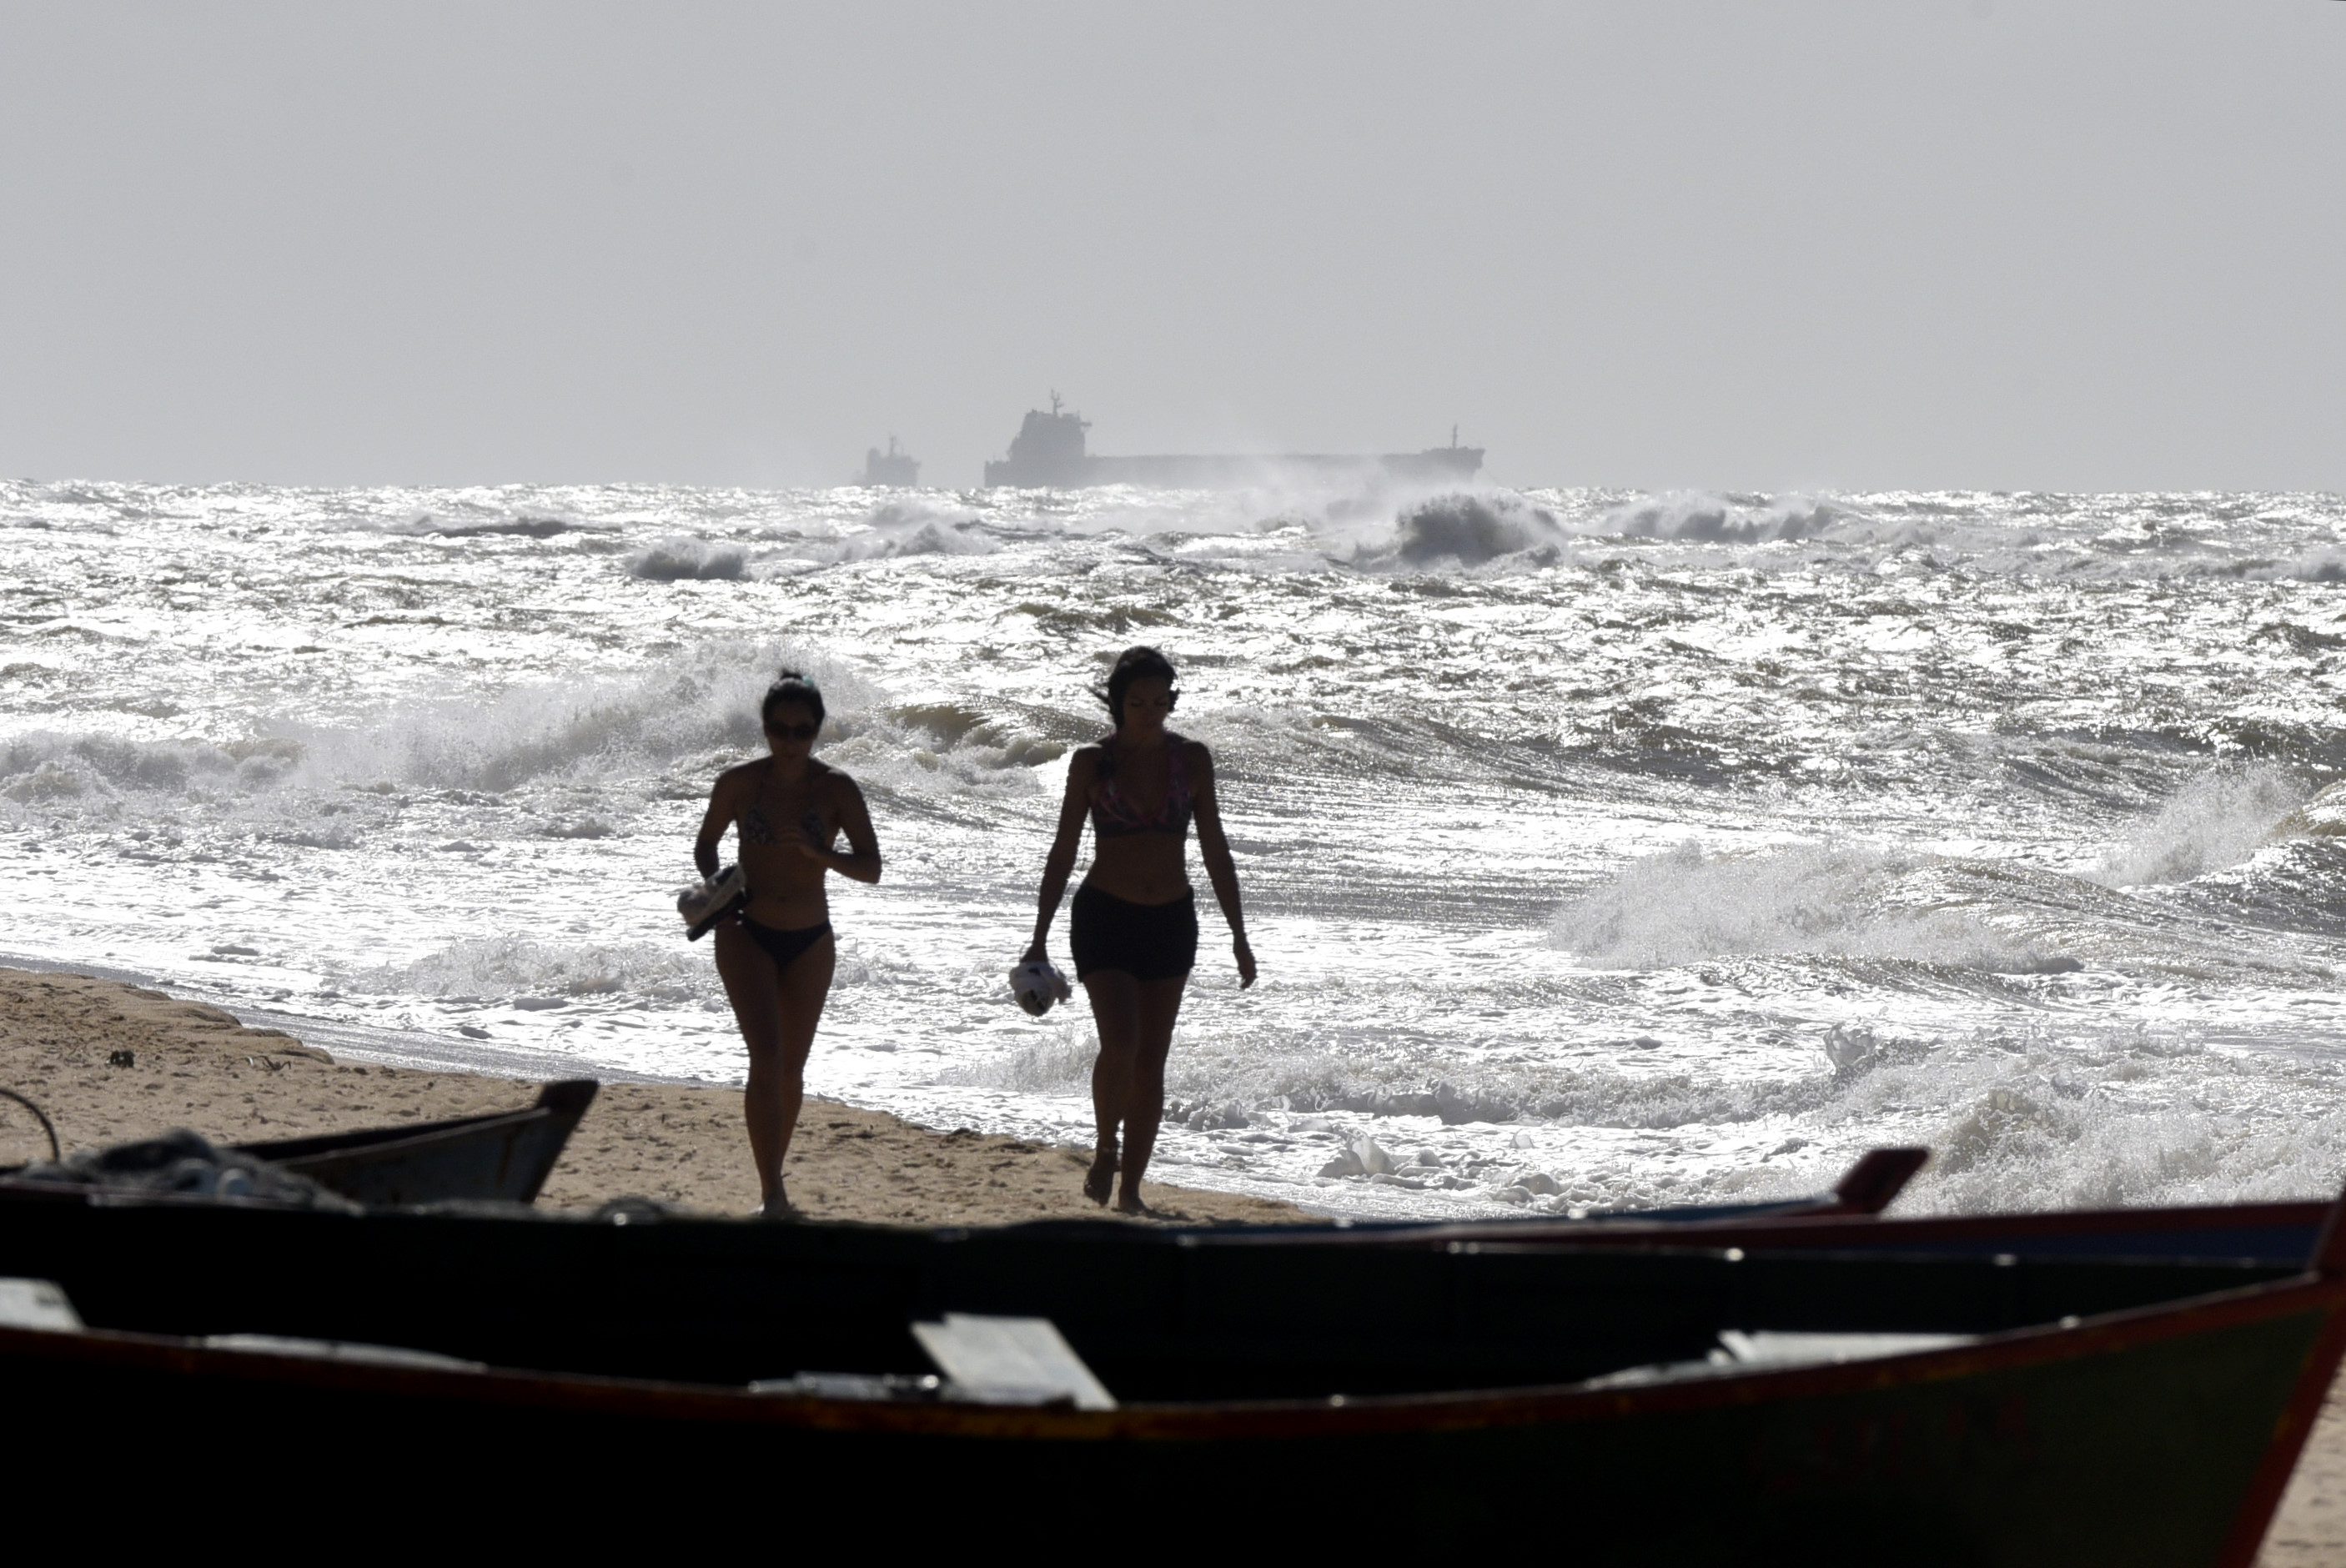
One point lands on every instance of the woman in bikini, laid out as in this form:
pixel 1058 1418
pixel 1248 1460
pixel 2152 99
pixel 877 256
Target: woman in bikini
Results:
pixel 1134 929
pixel 776 956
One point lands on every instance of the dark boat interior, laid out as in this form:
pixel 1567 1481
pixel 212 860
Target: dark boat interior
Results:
pixel 1158 1315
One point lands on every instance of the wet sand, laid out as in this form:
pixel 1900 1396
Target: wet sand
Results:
pixel 195 1066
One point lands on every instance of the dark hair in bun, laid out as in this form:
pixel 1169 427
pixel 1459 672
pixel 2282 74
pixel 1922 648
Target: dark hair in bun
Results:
pixel 1134 663
pixel 790 688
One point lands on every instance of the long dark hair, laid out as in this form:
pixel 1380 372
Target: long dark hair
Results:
pixel 789 687
pixel 1135 664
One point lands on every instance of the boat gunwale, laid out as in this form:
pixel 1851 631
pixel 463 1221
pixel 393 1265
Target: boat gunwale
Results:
pixel 1925 1229
pixel 1870 1235
pixel 423 1132
pixel 553 1103
pixel 1812 1239
pixel 1951 1226
pixel 1327 1416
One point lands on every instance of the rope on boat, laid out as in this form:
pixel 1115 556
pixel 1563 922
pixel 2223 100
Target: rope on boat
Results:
pixel 56 1152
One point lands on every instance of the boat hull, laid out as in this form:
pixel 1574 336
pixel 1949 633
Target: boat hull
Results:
pixel 1435 465
pixel 2140 1439
pixel 1280 1391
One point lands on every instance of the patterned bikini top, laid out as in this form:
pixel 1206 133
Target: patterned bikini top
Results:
pixel 757 828
pixel 1114 816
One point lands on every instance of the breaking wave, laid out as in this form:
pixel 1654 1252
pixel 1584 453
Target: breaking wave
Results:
pixel 504 969
pixel 1712 520
pixel 1684 906
pixel 701 701
pixel 1473 529
pixel 622 737
pixel 684 559
pixel 2217 820
pixel 520 526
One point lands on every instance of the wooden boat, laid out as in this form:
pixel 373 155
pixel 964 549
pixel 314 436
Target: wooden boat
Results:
pixel 2276 1234
pixel 1866 1188
pixel 1850 1219
pixel 503 1156
pixel 1477 1395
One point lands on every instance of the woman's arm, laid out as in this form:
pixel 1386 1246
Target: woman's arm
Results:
pixel 1216 851
pixel 713 823
pixel 1061 863
pixel 861 861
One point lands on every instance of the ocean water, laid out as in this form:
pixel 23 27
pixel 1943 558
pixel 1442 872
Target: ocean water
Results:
pixel 1599 848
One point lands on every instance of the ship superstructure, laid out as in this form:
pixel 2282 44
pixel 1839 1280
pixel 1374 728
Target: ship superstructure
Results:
pixel 890 467
pixel 1049 452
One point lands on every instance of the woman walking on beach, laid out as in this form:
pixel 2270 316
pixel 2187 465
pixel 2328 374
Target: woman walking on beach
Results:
pixel 1134 927
pixel 776 956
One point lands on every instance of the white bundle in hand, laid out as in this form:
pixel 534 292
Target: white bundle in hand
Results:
pixel 704 903
pixel 1037 986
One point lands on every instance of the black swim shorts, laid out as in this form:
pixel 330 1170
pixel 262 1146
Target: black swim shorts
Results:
pixel 1147 942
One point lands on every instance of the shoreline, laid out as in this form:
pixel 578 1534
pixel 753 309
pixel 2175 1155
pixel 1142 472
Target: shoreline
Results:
pixel 197 1064
pixel 374 1044
pixel 682 1143
pixel 381 1045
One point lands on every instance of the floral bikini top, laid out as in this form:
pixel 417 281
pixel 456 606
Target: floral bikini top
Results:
pixel 1114 816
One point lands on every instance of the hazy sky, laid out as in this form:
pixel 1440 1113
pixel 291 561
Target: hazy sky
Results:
pixel 1939 242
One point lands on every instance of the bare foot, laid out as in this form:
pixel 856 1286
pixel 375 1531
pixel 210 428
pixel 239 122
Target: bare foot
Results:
pixel 1100 1180
pixel 779 1206
pixel 1129 1202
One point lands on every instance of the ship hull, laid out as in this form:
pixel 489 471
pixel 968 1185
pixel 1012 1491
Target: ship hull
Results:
pixel 1440 465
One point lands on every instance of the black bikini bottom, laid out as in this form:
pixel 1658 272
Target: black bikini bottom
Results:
pixel 1147 942
pixel 784 946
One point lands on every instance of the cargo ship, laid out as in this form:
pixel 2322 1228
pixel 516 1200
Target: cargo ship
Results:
pixel 1048 452
pixel 890 467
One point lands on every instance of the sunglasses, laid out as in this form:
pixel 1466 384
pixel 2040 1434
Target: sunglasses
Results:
pixel 792 731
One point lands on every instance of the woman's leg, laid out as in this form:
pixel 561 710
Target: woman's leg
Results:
pixel 1158 1003
pixel 1115 1009
pixel 805 987
pixel 778 1012
pixel 755 989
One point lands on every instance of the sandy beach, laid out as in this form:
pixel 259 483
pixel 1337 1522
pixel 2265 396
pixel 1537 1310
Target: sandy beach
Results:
pixel 2309 1531
pixel 193 1065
